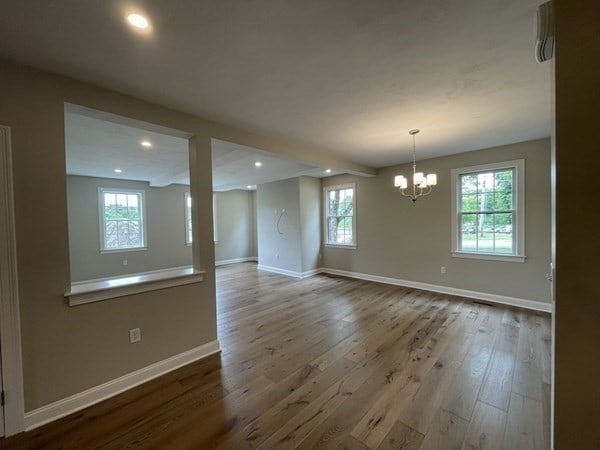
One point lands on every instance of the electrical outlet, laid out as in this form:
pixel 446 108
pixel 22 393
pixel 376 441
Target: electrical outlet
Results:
pixel 125 262
pixel 443 270
pixel 276 255
pixel 135 335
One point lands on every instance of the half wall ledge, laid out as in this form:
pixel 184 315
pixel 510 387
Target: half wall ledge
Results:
pixel 89 291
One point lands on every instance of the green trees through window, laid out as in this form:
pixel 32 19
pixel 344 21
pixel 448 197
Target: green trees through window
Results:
pixel 487 211
pixel 340 215
pixel 122 220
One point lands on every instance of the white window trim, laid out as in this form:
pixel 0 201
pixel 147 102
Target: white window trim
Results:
pixel 326 190
pixel 214 207
pixel 518 189
pixel 101 191
pixel 187 217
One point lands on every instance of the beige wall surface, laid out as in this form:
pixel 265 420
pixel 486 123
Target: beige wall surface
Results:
pixel 399 239
pixel 310 217
pixel 278 225
pixel 577 291
pixel 235 225
pixel 69 349
pixel 165 230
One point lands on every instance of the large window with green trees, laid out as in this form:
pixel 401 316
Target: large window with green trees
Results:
pixel 488 210
pixel 122 225
pixel 340 224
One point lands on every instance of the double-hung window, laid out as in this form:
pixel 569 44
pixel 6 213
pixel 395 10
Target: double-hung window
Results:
pixel 122 224
pixel 488 206
pixel 340 209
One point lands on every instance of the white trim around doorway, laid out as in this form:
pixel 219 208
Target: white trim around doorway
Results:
pixel 10 329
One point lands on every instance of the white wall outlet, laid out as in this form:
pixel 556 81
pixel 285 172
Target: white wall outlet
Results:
pixel 443 270
pixel 125 262
pixel 135 335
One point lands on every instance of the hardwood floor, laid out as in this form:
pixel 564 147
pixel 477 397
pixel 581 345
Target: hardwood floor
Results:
pixel 330 362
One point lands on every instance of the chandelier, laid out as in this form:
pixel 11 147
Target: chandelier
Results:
pixel 422 184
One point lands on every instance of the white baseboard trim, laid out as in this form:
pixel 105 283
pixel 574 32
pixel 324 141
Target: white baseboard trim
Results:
pixel 290 273
pixel 494 298
pixel 236 260
pixel 89 397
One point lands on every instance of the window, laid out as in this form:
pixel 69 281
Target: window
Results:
pixel 122 225
pixel 488 205
pixel 188 218
pixel 340 225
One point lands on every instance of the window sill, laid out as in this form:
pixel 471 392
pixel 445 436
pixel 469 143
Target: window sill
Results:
pixel 124 250
pixel 96 290
pixel 351 246
pixel 490 257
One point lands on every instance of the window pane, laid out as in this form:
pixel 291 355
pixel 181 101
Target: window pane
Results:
pixel 123 233
pixel 503 233
pixel 332 229
pixel 468 184
pixel 110 235
pixel 485 233
pixel 468 232
pixel 333 203
pixel 132 206
pixel 110 199
pixel 503 180
pixel 133 234
pixel 469 203
pixel 502 201
pixel 485 182
pixel 132 200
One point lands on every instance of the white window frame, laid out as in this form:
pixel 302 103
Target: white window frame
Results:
pixel 189 226
pixel 326 191
pixel 214 205
pixel 519 206
pixel 142 194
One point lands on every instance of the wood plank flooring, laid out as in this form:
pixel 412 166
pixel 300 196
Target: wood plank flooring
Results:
pixel 331 362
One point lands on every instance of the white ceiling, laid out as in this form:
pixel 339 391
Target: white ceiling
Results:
pixel 350 76
pixel 97 143
pixel 96 147
pixel 234 168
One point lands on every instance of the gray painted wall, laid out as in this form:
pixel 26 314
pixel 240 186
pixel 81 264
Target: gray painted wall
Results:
pixel 399 239
pixel 165 230
pixel 290 239
pixel 62 340
pixel 236 228
pixel 279 239
pixel 310 222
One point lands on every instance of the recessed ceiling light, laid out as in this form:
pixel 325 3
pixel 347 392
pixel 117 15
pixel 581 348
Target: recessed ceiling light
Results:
pixel 147 144
pixel 137 21
pixel 328 171
pixel 118 171
pixel 258 164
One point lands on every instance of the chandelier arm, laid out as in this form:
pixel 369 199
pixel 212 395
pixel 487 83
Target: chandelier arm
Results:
pixel 424 193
